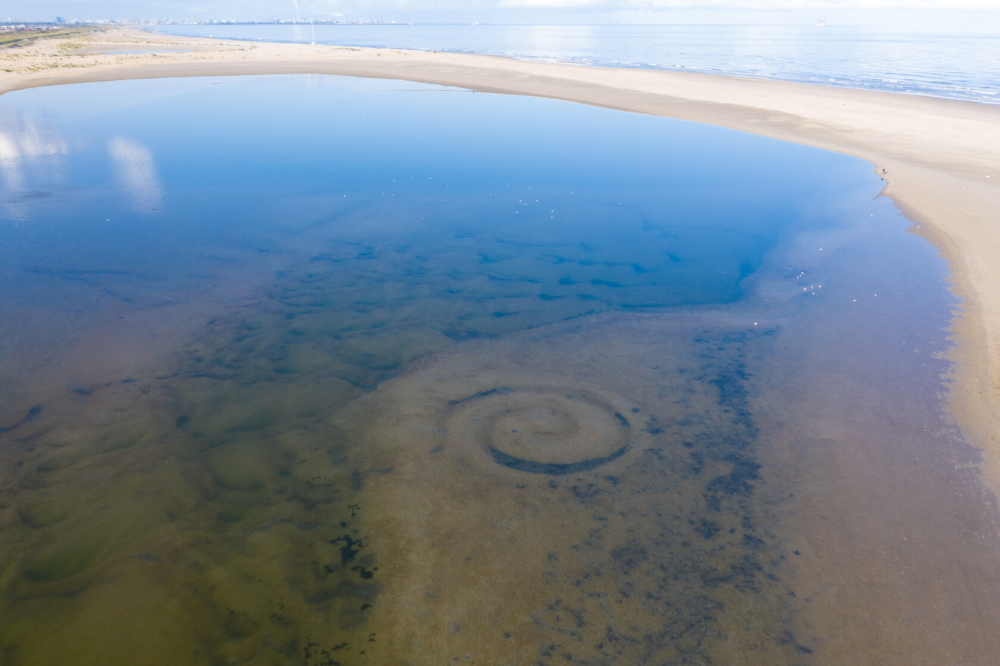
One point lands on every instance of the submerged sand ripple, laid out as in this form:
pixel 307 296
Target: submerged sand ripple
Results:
pixel 542 430
pixel 658 556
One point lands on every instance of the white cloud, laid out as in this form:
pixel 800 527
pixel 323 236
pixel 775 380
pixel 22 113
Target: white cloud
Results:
pixel 546 3
pixel 435 10
pixel 613 5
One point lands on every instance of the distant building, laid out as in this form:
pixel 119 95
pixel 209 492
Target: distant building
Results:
pixel 60 19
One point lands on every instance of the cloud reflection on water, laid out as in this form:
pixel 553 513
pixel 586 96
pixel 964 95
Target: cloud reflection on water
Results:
pixel 135 171
pixel 26 147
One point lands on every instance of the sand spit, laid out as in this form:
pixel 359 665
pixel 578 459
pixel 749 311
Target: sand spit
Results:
pixel 940 158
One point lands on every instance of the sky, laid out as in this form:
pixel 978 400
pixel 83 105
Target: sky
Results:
pixel 513 11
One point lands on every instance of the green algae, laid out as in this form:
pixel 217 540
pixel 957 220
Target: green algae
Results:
pixel 66 558
pixel 59 460
pixel 232 514
pixel 238 624
pixel 44 513
pixel 238 467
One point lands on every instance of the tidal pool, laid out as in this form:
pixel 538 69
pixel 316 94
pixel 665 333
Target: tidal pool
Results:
pixel 319 370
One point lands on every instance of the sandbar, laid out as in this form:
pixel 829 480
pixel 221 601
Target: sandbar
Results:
pixel 940 158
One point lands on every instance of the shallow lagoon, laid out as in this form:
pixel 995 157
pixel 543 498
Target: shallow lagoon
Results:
pixel 313 370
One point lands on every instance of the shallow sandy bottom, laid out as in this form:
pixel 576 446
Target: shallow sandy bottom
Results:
pixel 388 531
pixel 761 503
pixel 760 515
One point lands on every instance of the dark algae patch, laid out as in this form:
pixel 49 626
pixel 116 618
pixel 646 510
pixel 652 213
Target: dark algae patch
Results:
pixel 27 418
pixel 349 550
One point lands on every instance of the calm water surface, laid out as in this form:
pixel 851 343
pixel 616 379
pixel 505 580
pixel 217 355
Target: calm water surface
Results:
pixel 947 61
pixel 317 370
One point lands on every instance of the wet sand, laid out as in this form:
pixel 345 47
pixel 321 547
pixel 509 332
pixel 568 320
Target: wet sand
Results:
pixel 751 501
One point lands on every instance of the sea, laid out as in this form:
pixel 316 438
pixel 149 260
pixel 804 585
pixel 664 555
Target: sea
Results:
pixel 947 61
pixel 315 370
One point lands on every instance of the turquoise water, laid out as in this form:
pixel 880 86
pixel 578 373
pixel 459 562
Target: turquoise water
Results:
pixel 313 370
pixel 945 61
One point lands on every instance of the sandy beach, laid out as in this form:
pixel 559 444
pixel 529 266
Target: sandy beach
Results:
pixel 940 158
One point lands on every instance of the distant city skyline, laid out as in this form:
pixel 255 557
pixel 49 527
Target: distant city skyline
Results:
pixel 513 11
